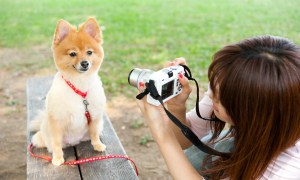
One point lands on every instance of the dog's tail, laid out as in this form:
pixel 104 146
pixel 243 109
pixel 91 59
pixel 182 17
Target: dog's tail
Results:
pixel 35 124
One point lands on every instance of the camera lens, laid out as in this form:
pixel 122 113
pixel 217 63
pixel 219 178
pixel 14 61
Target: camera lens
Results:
pixel 137 75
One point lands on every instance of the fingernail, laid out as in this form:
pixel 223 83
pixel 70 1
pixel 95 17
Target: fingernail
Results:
pixel 180 75
pixel 141 84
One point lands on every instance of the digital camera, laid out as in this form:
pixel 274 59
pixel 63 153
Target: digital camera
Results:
pixel 165 80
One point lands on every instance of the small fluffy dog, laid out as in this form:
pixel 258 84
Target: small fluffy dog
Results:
pixel 75 102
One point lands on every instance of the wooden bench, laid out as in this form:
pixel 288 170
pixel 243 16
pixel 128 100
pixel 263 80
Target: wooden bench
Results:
pixel 40 169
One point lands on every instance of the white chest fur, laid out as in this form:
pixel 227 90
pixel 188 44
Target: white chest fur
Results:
pixel 68 108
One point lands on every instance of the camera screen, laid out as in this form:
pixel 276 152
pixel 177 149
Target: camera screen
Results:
pixel 167 89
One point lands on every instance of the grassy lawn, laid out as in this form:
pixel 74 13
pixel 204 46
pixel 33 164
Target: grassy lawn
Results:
pixel 147 33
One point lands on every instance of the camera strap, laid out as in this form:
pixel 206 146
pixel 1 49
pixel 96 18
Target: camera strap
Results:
pixel 188 133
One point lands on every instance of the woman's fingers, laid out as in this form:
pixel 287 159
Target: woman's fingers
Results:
pixel 141 102
pixel 185 84
pixel 175 62
pixel 180 60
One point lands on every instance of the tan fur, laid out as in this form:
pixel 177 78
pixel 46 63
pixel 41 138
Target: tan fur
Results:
pixel 63 122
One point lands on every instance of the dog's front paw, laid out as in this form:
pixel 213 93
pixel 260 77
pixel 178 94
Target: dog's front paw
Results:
pixel 99 147
pixel 57 161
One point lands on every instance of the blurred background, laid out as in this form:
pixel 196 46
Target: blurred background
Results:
pixel 141 34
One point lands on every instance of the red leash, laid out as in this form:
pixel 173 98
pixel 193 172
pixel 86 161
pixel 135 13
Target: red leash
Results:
pixel 85 160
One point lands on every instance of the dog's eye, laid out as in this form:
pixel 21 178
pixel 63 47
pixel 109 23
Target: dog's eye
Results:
pixel 73 54
pixel 89 53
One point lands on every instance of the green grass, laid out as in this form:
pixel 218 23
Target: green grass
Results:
pixel 147 33
pixel 144 140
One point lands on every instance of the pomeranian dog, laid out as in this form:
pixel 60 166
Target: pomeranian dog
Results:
pixel 75 102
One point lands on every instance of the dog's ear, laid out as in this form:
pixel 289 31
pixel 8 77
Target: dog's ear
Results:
pixel 62 30
pixel 92 28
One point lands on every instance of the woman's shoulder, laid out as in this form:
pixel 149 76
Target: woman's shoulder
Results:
pixel 293 151
pixel 286 165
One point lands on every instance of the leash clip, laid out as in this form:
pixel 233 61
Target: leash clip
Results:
pixel 86 103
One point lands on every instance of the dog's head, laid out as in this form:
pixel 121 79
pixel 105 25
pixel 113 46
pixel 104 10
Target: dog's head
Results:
pixel 78 52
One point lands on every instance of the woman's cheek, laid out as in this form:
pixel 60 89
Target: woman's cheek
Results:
pixel 221 113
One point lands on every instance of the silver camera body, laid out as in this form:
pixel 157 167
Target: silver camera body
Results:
pixel 165 80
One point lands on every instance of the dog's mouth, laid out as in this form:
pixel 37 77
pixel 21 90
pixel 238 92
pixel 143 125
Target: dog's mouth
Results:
pixel 82 66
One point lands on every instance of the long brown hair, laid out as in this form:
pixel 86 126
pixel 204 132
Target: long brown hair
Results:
pixel 259 86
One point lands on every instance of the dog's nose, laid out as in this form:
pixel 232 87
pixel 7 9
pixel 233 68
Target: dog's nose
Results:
pixel 84 64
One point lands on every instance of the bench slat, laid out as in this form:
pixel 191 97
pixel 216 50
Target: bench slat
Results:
pixel 110 168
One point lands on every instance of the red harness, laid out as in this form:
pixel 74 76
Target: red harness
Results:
pixel 85 102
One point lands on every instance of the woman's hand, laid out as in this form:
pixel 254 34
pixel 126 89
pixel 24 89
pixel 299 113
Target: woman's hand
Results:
pixel 155 116
pixel 168 144
pixel 176 62
pixel 179 100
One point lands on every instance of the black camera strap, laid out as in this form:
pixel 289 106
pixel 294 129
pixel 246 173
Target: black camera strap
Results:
pixel 188 75
pixel 189 134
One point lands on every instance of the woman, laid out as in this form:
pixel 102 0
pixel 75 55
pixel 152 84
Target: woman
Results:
pixel 255 89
